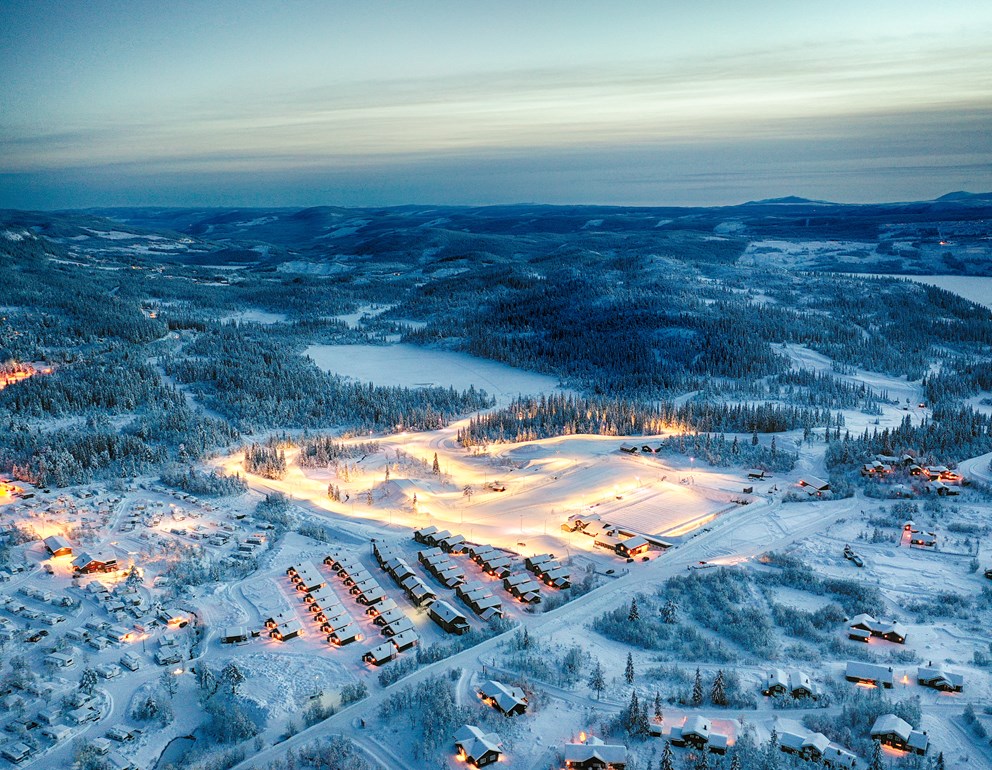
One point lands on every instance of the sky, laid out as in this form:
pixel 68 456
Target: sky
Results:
pixel 297 103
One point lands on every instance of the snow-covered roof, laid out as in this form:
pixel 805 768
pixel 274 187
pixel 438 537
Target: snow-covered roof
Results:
pixel 890 724
pixel 474 743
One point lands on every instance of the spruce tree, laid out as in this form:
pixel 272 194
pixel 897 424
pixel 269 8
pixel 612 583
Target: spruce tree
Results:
pixel 670 612
pixel 436 469
pixel 597 681
pixel 659 714
pixel 719 692
pixel 667 757
pixel 697 690
pixel 633 615
pixel 876 758
pixel 628 672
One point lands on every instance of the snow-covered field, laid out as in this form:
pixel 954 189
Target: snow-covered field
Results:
pixel 412 366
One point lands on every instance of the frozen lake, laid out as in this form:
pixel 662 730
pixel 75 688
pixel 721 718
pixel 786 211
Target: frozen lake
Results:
pixel 974 288
pixel 412 366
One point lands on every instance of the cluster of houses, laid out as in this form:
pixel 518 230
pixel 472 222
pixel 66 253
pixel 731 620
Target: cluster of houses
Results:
pixel 622 542
pixel 440 564
pixel 922 538
pixel 696 731
pixel 480 599
pixel 939 478
pixel 874 675
pixel 402 573
pixel 863 626
pixel 549 570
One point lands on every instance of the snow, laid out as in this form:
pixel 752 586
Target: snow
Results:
pixel 974 288
pixel 256 316
pixel 411 366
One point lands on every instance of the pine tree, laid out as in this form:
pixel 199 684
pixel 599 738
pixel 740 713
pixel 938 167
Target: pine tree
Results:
pixel 939 764
pixel 233 676
pixel 754 439
pixel 719 692
pixel 633 615
pixel 387 471
pixel 876 758
pixel 437 466
pixel 628 672
pixel 597 681
pixel 697 690
pixel 735 761
pixel 667 757
pixel 659 714
pixel 631 715
pixel 702 760
pixel 369 499
pixel 88 681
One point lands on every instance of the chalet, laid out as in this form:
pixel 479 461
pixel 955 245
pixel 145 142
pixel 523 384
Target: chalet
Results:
pixel 923 539
pixel 279 618
pixel 378 608
pixel 629 449
pixel 875 469
pixel 695 732
pixel 15 752
pixel 400 570
pixel 795 683
pixel 939 679
pixel 398 626
pixel 452 543
pixel 175 618
pixel 523 587
pixel 287 631
pixel 870 674
pixel 476 747
pixel 450 619
pixel 533 563
pixel 495 562
pixel 360 587
pixel 859 635
pixel 890 630
pixel 390 616
pixel 85 564
pixel 334 622
pixel 837 758
pixel 380 655
pixel 418 591
pixel 594 754
pixel 559 577
pixel 480 553
pixel 507 700
pixel 404 640
pixel 422 535
pixel 609 542
pixel 357 577
pixel 633 546
pixel 814 486
pixel 451 576
pixel 344 635
pixel 941 489
pixel 234 635
pixel 57 545
pixel 372 595
pixel 809 746
pixel 890 730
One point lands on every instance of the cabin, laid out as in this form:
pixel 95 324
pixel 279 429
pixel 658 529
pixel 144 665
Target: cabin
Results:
pixel 287 631
pixel 85 564
pixel 346 634
pixel 795 683
pixel 279 618
pixel 890 730
pixel 869 674
pixel 418 591
pixel 594 754
pixel 15 752
pixel 130 662
pixel 380 655
pixel 404 640
pixel 377 609
pixel 533 563
pixel 452 543
pixel 234 635
pixel 939 679
pixel 60 660
pixel 633 546
pixel 809 746
pixel 891 631
pixel 450 619
pixel 629 449
pixel 175 618
pixel 397 627
pixel 559 577
pixel 56 545
pixel 422 535
pixel 476 747
pixel 814 486
pixel 756 474
pixel 372 595
pixel 507 700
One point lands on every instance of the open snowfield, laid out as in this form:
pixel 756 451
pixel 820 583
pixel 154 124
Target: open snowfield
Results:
pixel 975 288
pixel 411 366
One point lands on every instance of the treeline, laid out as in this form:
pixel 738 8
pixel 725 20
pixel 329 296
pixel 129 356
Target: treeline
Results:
pixel 959 381
pixel 259 384
pixel 266 460
pixel 213 484
pixel 323 451
pixel 951 434
pixel 529 419
pixel 804 387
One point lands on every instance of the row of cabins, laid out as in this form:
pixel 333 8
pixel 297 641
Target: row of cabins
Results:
pixel 503 566
pixel 883 676
pixel 550 571
pixel 441 538
pixel 480 599
pixel 624 544
pixel 441 612
pixel 920 537
pixel 863 626
pixel 403 575
pixel 593 753
pixel 442 567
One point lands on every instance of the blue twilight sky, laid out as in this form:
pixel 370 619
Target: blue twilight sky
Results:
pixel 236 102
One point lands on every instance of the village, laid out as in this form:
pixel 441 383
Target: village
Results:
pixel 99 591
